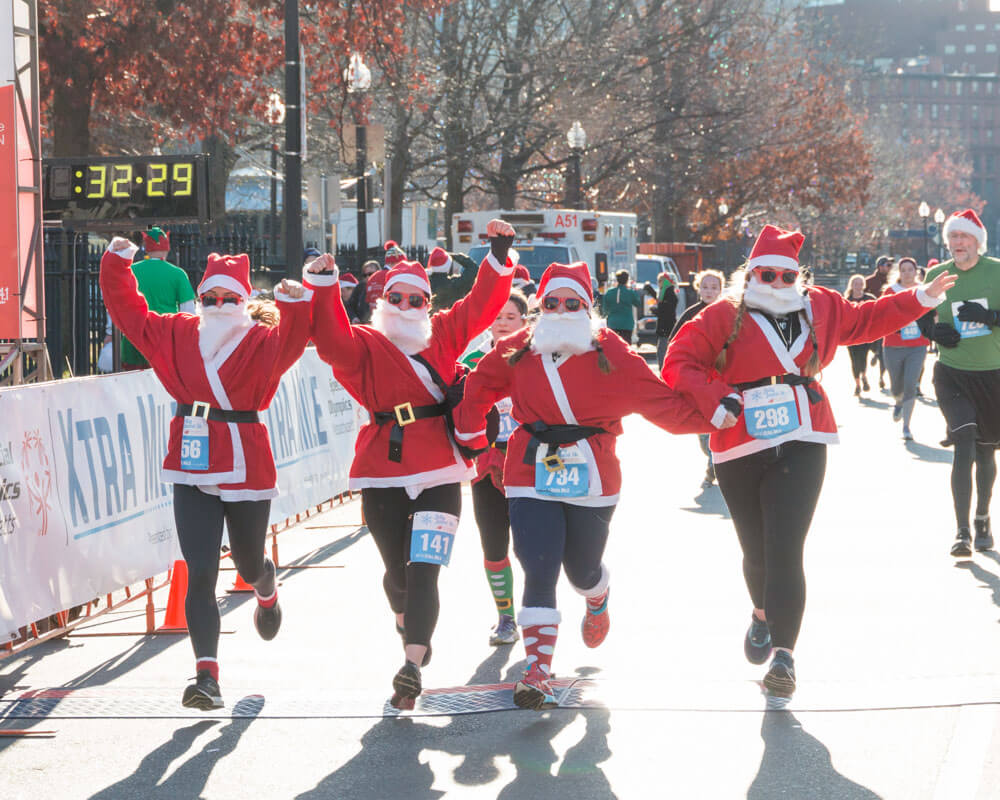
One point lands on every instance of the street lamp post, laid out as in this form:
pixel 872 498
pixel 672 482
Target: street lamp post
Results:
pixel 939 221
pixel 359 79
pixel 293 143
pixel 576 138
pixel 924 211
pixel 276 116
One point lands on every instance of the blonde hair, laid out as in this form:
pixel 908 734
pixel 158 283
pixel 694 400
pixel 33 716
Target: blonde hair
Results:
pixel 265 312
pixel 847 291
pixel 709 273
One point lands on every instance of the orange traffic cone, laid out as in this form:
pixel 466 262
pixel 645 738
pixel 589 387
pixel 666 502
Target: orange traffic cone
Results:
pixel 239 585
pixel 175 620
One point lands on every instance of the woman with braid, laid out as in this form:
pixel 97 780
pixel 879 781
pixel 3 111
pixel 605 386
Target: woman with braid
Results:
pixel 751 365
pixel 570 385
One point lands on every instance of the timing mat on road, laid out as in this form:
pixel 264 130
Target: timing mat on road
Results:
pixel 580 693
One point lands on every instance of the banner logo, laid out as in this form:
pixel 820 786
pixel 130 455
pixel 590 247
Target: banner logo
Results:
pixel 37 477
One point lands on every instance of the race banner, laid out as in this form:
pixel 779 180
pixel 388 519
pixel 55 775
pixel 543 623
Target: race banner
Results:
pixel 82 508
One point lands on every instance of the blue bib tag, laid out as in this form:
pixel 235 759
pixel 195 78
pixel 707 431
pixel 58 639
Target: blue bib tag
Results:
pixel 507 423
pixel 910 332
pixel 970 330
pixel 564 474
pixel 194 444
pixel 770 411
pixel 432 537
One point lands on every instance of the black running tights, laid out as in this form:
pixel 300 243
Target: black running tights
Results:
pixel 199 517
pixel 967 453
pixel 490 507
pixel 772 495
pixel 411 588
pixel 859 359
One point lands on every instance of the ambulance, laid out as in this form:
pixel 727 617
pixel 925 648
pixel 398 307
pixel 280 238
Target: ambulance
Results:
pixel 605 240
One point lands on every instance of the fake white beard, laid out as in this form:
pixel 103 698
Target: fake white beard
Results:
pixel 570 332
pixel 409 329
pixel 770 299
pixel 218 326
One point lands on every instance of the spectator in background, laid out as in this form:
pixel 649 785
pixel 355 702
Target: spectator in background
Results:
pixel 348 283
pixel 358 307
pixel 523 281
pixel 617 304
pixel 856 293
pixel 666 314
pixel 166 288
pixel 309 255
pixel 874 285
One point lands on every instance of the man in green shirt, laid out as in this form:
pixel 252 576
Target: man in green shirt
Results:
pixel 166 288
pixel 617 304
pixel 967 374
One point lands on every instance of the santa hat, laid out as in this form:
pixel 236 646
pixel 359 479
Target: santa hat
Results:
pixel 155 240
pixel 932 263
pixel 347 279
pixel 573 276
pixel 521 276
pixel 227 272
pixel 393 254
pixel 967 222
pixel 439 261
pixel 776 247
pixel 407 272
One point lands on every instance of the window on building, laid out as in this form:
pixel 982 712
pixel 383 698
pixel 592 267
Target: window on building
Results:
pixel 920 109
pixel 975 87
pixel 958 89
pixel 960 27
pixel 990 163
pixel 980 26
pixel 974 112
pixel 989 87
pixel 988 134
pixel 949 49
pixel 934 111
pixel 970 48
pixel 934 84
pixel 991 47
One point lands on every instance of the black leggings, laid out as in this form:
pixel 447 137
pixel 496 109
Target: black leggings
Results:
pixel 859 359
pixel 967 453
pixel 411 588
pixel 490 507
pixel 772 495
pixel 199 518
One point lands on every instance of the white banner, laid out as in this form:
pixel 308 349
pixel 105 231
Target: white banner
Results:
pixel 82 508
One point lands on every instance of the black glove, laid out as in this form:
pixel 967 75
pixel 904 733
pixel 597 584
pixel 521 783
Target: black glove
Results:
pixel 732 405
pixel 945 335
pixel 500 246
pixel 973 312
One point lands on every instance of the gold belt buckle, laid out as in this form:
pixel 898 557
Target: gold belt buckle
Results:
pixel 200 409
pixel 553 463
pixel 774 380
pixel 404 414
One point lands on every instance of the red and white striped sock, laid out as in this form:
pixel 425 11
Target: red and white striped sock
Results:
pixel 209 665
pixel 266 602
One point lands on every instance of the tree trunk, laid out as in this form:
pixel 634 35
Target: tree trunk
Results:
pixel 71 118
pixel 223 159
pixel 401 168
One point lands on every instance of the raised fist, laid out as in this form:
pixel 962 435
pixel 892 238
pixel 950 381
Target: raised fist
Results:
pixel 497 227
pixel 293 289
pixel 324 264
pixel 120 243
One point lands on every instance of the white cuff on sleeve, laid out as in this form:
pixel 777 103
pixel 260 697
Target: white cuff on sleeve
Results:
pixel 315 279
pixel 128 253
pixel 468 437
pixel 926 300
pixel 719 416
pixel 281 297
pixel 505 269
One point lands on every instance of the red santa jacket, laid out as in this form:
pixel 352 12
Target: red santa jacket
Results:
pixel 895 339
pixel 243 376
pixel 380 377
pixel 570 390
pixel 758 352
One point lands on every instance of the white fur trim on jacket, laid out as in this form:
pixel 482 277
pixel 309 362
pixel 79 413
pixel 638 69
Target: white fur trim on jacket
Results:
pixel 316 279
pixel 286 298
pixel 537 615
pixel 926 300
pixel 503 269
pixel 598 588
pixel 127 253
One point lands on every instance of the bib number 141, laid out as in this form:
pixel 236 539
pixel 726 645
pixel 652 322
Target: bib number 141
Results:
pixel 432 537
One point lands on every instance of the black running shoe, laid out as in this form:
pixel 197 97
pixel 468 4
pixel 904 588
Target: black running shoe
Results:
pixel 962 547
pixel 757 644
pixel 406 685
pixel 203 694
pixel 984 534
pixel 780 678
pixel 864 384
pixel 267 621
pixel 897 413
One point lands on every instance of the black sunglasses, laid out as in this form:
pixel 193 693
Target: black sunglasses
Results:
pixel 210 300
pixel 416 300
pixel 571 303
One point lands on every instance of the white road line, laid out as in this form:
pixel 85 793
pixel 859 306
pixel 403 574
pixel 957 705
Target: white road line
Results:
pixel 962 768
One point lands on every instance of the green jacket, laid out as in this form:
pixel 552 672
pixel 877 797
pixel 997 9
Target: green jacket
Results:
pixel 616 304
pixel 446 290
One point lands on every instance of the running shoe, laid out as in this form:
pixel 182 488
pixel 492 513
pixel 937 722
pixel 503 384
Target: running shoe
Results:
pixel 857 391
pixel 984 534
pixel 596 623
pixel 267 621
pixel 204 693
pixel 757 644
pixel 897 413
pixel 962 547
pixel 709 477
pixel 505 631
pixel 907 436
pixel 864 384
pixel 534 691
pixel 406 686
pixel 881 386
pixel 780 678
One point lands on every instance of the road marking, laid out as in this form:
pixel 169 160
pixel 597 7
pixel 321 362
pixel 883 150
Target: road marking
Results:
pixel 962 768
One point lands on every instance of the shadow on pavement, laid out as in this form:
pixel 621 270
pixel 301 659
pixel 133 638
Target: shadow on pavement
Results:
pixel 709 501
pixel 868 402
pixel 927 453
pixel 191 776
pixel 990 579
pixel 796 764
pixel 393 761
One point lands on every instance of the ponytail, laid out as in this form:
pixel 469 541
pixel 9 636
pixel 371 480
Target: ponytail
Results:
pixel 813 365
pixel 603 363
pixel 513 356
pixel 264 312
pixel 720 360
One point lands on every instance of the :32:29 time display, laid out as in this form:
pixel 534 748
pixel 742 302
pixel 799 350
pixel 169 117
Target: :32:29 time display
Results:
pixel 123 180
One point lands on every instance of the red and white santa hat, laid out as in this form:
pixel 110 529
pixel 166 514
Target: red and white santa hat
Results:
pixel 347 279
pixel 227 272
pixel 967 222
pixel 407 272
pixel 573 276
pixel 521 276
pixel 775 247
pixel 393 254
pixel 439 261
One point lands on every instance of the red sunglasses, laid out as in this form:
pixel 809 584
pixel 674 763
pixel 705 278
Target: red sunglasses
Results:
pixel 769 275
pixel 416 300
pixel 216 300
pixel 571 303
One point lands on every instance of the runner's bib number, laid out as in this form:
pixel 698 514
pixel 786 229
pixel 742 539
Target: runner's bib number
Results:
pixel 564 474
pixel 507 423
pixel 194 444
pixel 970 330
pixel 770 411
pixel 433 537
pixel 910 332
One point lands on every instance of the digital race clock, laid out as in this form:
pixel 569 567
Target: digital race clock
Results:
pixel 130 192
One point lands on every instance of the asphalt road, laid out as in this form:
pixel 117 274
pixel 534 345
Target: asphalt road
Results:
pixel 898 662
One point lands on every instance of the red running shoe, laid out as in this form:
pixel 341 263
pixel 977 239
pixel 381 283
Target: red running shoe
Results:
pixel 596 622
pixel 534 691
